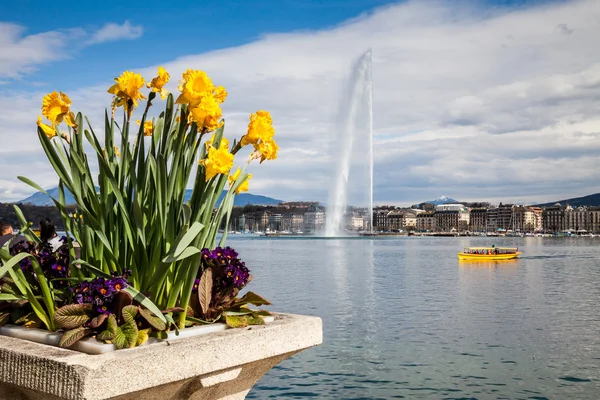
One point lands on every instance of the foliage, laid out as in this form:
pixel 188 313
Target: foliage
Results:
pixel 138 262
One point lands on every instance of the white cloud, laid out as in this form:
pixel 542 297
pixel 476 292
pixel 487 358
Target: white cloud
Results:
pixel 22 54
pixel 473 103
pixel 112 32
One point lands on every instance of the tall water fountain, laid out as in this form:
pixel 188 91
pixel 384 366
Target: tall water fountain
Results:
pixel 354 173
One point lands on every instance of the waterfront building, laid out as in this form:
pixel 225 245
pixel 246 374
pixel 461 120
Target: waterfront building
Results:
pixel 275 222
pixel 537 215
pixel 478 220
pixel 505 217
pixel 314 221
pixel 451 218
pixel 292 222
pixel 354 221
pixel 395 221
pixel 523 219
pixel 553 219
pixel 380 220
pixel 409 221
pixel 594 220
pixel 426 221
pixel 492 219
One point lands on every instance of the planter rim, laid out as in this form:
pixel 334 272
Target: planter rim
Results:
pixel 73 375
pixel 93 346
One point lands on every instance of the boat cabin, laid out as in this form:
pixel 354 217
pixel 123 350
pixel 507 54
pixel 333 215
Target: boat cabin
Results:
pixel 490 250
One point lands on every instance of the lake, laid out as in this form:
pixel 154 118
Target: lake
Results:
pixel 402 318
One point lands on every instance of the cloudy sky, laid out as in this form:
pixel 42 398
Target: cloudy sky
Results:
pixel 476 100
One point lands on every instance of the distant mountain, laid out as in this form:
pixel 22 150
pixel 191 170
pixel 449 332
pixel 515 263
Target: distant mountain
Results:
pixel 442 200
pixel 589 200
pixel 41 199
pixel 242 199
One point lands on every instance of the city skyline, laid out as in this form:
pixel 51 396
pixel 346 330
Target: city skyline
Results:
pixel 496 100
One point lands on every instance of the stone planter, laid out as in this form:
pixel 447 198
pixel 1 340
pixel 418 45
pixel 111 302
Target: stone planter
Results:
pixel 220 365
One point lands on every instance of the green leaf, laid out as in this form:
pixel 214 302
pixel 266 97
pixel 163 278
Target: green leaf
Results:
pixel 236 321
pixel 189 236
pixel 72 315
pixel 142 336
pixel 129 313
pixel 187 252
pixel 252 298
pixel 4 318
pixel 12 297
pixel 70 337
pixel 162 335
pixel 127 334
pixel 8 265
pixel 255 320
pixel 152 319
pixel 205 290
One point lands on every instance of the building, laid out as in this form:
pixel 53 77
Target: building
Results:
pixel 275 222
pixel 553 219
pixel 537 215
pixel 478 220
pixel 426 222
pixel 395 221
pixel 523 219
pixel 492 219
pixel 594 219
pixel 380 220
pixel 314 221
pixel 452 218
pixel 354 221
pixel 292 222
pixel 505 219
pixel 409 222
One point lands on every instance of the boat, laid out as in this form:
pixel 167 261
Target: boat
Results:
pixel 489 253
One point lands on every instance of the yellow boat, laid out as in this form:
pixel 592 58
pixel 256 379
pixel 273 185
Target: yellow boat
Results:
pixel 489 253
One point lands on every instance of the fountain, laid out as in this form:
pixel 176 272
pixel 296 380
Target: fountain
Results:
pixel 353 177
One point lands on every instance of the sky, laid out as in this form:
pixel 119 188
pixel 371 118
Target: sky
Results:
pixel 476 100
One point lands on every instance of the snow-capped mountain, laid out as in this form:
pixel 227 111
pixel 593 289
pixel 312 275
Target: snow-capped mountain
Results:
pixel 442 200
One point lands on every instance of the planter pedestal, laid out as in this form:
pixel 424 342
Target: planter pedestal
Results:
pixel 222 365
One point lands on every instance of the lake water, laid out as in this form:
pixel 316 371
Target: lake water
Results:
pixel 402 318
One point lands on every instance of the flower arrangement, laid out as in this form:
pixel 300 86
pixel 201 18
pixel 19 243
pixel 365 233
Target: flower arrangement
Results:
pixel 140 258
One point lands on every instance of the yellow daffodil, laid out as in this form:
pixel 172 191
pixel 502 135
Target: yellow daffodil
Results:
pixel 194 86
pixel 57 107
pixel 128 88
pixel 260 128
pixel 48 130
pixel 147 127
pixel 158 82
pixel 224 142
pixel 218 161
pixel 243 186
pixel 207 114
pixel 220 94
pixel 268 149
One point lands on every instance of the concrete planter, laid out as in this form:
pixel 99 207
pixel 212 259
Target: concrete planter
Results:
pixel 220 365
pixel 93 346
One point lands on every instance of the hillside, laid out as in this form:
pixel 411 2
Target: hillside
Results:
pixel 589 200
pixel 242 199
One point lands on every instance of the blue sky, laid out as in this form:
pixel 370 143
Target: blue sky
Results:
pixel 519 79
